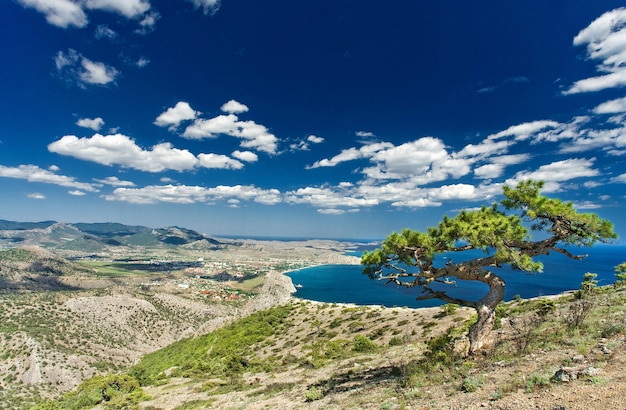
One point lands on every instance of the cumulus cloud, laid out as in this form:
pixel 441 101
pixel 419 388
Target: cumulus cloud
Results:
pixel 75 68
pixel 611 107
pixel 497 165
pixel 525 130
pixel 559 171
pixel 33 173
pixel 92 123
pixel 247 156
pixel 207 6
pixel 314 139
pixel 328 198
pixel 118 149
pixel 104 31
pixel 218 161
pixel 67 13
pixel 76 193
pixel 173 116
pixel 60 13
pixel 605 39
pixel 364 134
pixel 185 194
pixel 351 154
pixel 254 136
pixel 303 145
pixel 234 107
pixel 147 23
pixel 114 181
pixel 620 179
pixel 36 195
pixel 127 8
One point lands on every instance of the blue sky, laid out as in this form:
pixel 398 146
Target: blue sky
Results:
pixel 333 119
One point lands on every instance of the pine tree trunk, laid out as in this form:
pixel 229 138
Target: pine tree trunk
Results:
pixel 486 309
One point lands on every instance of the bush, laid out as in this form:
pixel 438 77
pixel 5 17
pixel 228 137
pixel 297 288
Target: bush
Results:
pixel 113 391
pixel 395 341
pixel 471 384
pixel 363 344
pixel 314 393
pixel 449 309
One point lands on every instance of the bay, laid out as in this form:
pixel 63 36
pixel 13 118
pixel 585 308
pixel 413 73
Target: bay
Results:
pixel 347 283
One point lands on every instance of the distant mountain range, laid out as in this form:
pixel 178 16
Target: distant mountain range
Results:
pixel 98 237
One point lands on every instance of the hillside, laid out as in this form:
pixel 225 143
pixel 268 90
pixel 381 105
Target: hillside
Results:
pixel 197 322
pixel 63 320
pixel 550 353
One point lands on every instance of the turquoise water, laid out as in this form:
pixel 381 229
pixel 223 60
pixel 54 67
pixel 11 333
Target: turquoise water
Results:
pixel 347 283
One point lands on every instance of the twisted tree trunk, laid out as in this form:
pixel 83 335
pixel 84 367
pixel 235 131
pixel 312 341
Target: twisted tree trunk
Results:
pixel 486 309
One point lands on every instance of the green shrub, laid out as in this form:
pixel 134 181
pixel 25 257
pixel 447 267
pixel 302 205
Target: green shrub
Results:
pixel 471 384
pixel 363 344
pixel 449 309
pixel 395 341
pixel 314 393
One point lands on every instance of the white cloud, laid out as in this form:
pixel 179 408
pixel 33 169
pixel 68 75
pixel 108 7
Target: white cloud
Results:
pixel 184 194
pixel 605 39
pixel 254 136
pixel 60 13
pixel 350 154
pixel 147 23
pixel 36 195
pixel 54 168
pixel 96 73
pixel 247 156
pixel 304 145
pixel 612 80
pixel 496 168
pixel 218 161
pixel 66 13
pixel 114 181
pixel 207 6
pixel 328 198
pixel 92 123
pixel 410 159
pixel 611 107
pixel 142 62
pixel 126 8
pixel 119 149
pixel 173 116
pixel 33 173
pixel 314 139
pixel 364 134
pixel 76 193
pixel 485 148
pixel 525 130
pixel 104 31
pixel 607 139
pixel 331 211
pixel 559 171
pixel 78 69
pixel 234 107
pixel 620 179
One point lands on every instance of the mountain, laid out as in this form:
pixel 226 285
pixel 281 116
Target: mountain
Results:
pixel 99 237
pixel 21 226
pixel 33 268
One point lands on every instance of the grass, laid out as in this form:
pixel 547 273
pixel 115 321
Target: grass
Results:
pixel 381 352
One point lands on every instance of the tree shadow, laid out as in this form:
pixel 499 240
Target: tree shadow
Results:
pixel 351 379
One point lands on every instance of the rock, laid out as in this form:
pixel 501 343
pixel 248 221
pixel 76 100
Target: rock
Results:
pixel 567 374
pixel 578 358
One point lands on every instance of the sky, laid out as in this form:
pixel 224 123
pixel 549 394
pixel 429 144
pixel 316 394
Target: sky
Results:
pixel 307 118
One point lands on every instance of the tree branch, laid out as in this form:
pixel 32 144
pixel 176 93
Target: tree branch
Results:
pixel 432 294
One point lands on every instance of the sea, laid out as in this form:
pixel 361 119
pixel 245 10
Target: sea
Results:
pixel 348 284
